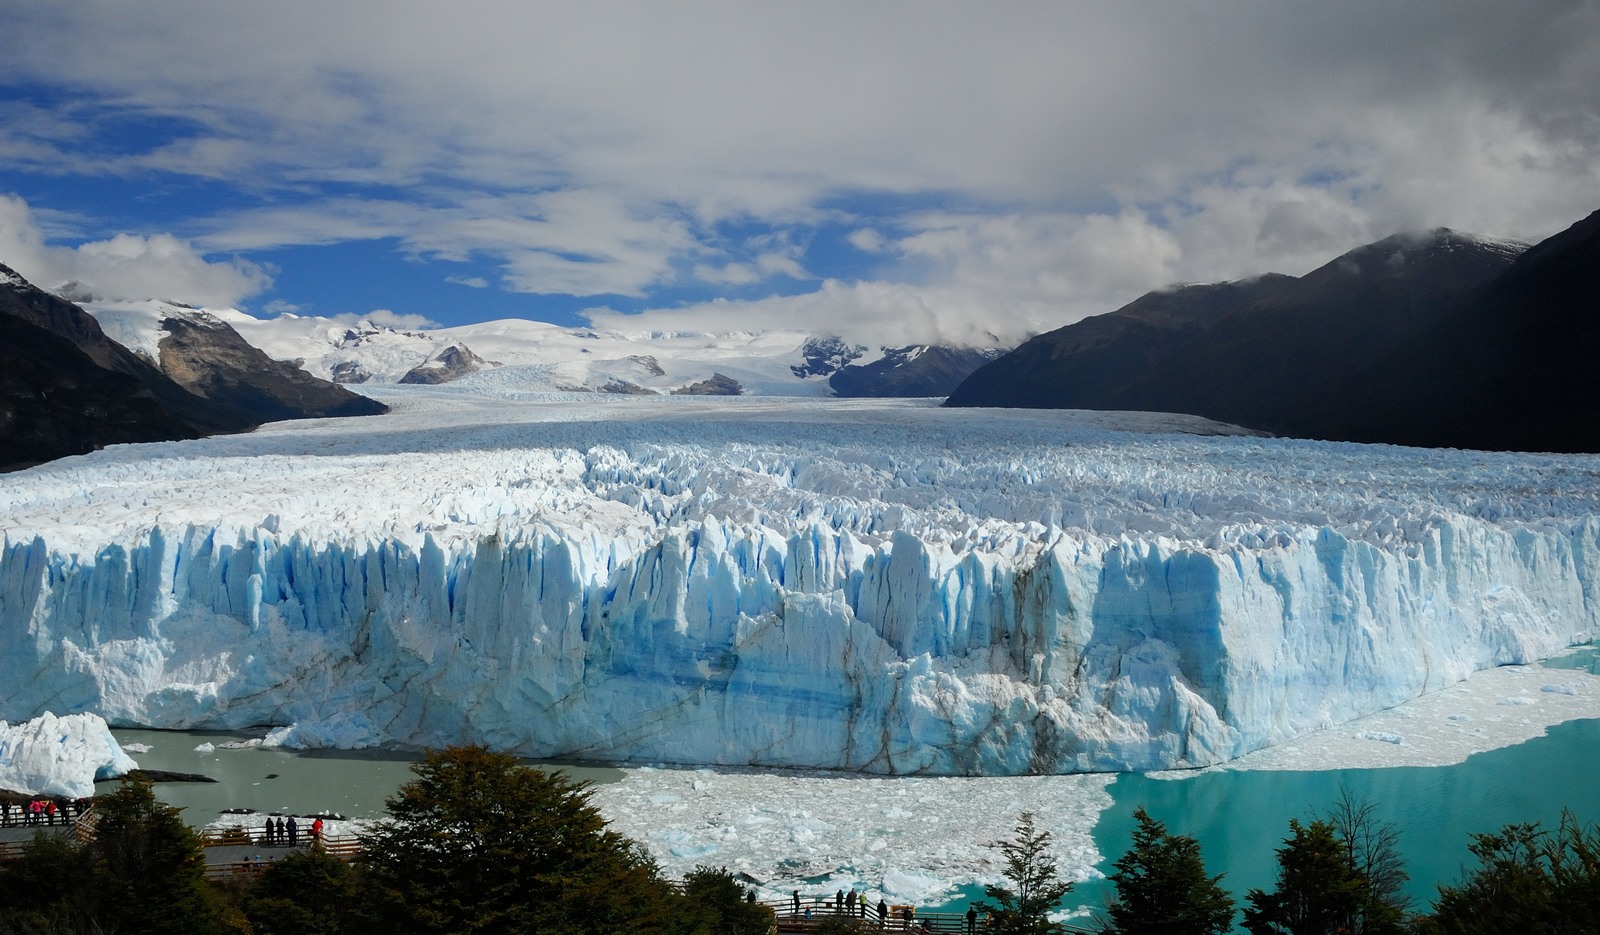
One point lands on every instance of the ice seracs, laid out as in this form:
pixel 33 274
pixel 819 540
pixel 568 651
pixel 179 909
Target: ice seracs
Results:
pixel 883 587
pixel 59 756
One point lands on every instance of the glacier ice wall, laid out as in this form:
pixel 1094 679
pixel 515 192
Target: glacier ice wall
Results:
pixel 895 590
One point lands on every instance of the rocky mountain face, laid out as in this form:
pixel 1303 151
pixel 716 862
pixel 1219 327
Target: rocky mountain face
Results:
pixel 1438 339
pixel 914 370
pixel 209 359
pixel 66 388
pixel 450 363
pixel 920 370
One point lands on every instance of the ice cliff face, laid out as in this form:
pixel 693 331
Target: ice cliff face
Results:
pixel 876 587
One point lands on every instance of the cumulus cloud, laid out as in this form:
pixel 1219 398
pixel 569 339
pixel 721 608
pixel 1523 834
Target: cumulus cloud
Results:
pixel 126 266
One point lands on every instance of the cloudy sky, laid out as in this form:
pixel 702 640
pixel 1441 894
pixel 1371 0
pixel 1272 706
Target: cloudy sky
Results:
pixel 909 170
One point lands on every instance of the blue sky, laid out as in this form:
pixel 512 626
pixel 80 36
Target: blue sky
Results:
pixel 902 170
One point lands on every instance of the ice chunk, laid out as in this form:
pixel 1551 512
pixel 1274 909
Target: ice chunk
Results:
pixel 52 755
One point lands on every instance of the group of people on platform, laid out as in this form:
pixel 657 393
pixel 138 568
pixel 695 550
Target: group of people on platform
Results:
pixel 41 812
pixel 849 904
pixel 282 833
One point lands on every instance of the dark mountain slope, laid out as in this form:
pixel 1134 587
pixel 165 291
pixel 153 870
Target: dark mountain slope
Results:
pixel 66 388
pixel 910 371
pixel 1104 362
pixel 1511 368
pixel 1339 353
pixel 56 400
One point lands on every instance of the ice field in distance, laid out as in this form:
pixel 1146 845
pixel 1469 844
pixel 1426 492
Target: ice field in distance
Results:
pixel 882 587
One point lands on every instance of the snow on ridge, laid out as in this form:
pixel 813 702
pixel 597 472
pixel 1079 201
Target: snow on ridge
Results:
pixel 868 585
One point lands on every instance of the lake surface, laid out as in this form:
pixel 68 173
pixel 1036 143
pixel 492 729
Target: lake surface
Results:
pixel 353 783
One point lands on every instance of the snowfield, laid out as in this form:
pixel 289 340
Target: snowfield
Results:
pixel 885 587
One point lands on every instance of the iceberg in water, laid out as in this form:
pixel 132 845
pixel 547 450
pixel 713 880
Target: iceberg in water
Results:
pixel 62 756
pixel 877 586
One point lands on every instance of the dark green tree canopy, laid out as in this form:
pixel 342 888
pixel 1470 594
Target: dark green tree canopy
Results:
pixel 1528 880
pixel 1162 887
pixel 480 843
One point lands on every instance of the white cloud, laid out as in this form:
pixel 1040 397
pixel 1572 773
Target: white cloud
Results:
pixel 390 319
pixel 1086 151
pixel 126 266
pixel 471 282
pixel 866 240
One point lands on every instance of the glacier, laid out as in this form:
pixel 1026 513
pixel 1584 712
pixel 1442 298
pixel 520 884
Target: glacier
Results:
pixel 59 756
pixel 879 586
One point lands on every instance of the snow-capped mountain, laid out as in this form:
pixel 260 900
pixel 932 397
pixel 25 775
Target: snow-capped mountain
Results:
pixel 881 586
pixel 540 357
pixel 66 388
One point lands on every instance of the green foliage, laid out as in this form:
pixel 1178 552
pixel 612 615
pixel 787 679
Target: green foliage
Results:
pixel 479 843
pixel 1528 881
pixel 149 872
pixel 1023 909
pixel 303 893
pixel 717 904
pixel 1319 891
pixel 48 890
pixel 1162 887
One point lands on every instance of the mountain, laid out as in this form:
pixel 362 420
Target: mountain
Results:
pixel 455 360
pixel 532 356
pixel 1510 368
pixel 210 359
pixel 919 370
pixel 1334 354
pixel 66 388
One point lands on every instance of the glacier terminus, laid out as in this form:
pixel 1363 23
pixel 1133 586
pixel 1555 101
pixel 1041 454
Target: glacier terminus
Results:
pixel 876 586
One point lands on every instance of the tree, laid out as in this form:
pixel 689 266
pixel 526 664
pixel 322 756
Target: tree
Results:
pixel 1319 890
pixel 149 871
pixel 1162 887
pixel 1025 909
pixel 480 843
pixel 720 905
pixel 1373 848
pixel 303 893
pixel 1528 880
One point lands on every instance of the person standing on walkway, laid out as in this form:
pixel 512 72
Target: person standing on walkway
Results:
pixel 294 831
pixel 796 898
pixel 316 832
pixel 972 919
pixel 883 912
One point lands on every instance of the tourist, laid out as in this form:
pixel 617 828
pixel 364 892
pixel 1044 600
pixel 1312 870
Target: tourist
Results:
pixel 883 912
pixel 972 919
pixel 838 902
pixel 294 831
pixel 796 903
pixel 850 903
pixel 316 832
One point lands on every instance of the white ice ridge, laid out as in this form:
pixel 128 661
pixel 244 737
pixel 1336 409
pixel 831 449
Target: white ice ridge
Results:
pixel 51 755
pixel 878 586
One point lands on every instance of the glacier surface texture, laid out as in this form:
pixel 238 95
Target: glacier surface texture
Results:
pixel 878 586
